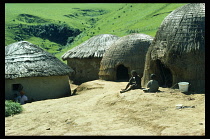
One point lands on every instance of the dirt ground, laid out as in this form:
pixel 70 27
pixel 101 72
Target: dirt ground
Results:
pixel 98 108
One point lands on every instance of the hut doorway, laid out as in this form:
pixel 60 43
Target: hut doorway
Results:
pixel 122 73
pixel 17 87
pixel 165 75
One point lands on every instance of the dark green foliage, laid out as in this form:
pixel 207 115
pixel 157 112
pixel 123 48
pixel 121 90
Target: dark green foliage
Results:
pixel 53 32
pixel 30 18
pixel 12 108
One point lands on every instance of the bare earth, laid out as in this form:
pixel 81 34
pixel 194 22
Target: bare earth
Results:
pixel 99 109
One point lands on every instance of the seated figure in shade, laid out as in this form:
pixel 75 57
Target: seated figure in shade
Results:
pixel 134 82
pixel 152 85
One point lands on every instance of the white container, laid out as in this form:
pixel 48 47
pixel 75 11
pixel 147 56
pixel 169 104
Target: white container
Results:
pixel 179 106
pixel 183 86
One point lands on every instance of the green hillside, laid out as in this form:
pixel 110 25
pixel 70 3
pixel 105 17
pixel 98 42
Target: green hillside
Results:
pixel 58 27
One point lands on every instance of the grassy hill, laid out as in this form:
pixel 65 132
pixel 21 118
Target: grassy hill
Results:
pixel 60 27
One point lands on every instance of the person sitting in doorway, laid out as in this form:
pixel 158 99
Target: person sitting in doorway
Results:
pixel 23 98
pixel 153 84
pixel 134 82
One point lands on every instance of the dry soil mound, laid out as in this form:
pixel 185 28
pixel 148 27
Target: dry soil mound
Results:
pixel 99 109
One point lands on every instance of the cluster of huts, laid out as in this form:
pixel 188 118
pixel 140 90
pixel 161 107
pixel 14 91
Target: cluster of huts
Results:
pixel 175 54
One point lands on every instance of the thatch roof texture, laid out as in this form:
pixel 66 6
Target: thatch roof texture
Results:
pixel 92 48
pixel 179 45
pixel 129 51
pixel 24 59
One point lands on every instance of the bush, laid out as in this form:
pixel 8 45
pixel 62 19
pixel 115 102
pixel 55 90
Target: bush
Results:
pixel 12 108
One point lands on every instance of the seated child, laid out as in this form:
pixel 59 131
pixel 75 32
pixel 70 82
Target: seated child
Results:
pixel 134 82
pixel 152 84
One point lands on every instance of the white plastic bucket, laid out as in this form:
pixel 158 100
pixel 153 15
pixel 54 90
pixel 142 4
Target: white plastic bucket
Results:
pixel 179 106
pixel 183 86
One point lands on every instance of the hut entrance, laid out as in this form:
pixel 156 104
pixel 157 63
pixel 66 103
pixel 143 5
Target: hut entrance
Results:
pixel 122 73
pixel 165 76
pixel 17 87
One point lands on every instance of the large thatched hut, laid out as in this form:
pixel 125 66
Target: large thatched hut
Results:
pixel 41 74
pixel 177 53
pixel 126 54
pixel 85 58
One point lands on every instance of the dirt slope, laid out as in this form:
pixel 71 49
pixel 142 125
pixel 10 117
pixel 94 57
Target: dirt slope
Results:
pixel 99 109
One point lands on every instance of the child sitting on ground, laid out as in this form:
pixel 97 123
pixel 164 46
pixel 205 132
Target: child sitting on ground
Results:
pixel 152 84
pixel 134 82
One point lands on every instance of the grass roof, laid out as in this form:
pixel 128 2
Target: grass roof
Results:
pixel 93 47
pixel 24 59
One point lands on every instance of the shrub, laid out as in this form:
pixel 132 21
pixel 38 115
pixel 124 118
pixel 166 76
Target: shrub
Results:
pixel 12 108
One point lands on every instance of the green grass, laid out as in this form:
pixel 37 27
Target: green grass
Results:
pixel 55 12
pixel 133 18
pixel 51 13
pixel 92 19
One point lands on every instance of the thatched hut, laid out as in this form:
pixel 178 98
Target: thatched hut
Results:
pixel 126 54
pixel 41 74
pixel 85 58
pixel 177 53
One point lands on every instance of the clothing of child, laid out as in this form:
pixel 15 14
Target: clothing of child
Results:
pixel 153 86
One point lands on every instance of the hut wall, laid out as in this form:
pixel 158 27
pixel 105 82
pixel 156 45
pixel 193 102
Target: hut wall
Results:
pixel 85 69
pixel 180 45
pixel 128 51
pixel 184 66
pixel 111 73
pixel 187 68
pixel 190 68
pixel 40 88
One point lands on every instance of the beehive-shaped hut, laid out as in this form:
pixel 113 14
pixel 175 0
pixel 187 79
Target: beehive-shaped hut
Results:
pixel 126 54
pixel 41 74
pixel 85 58
pixel 177 53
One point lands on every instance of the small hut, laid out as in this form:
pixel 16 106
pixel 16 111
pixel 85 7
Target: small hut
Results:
pixel 177 53
pixel 85 58
pixel 41 74
pixel 126 54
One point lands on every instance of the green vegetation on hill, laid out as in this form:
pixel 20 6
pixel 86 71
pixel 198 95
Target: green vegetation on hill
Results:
pixel 58 27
